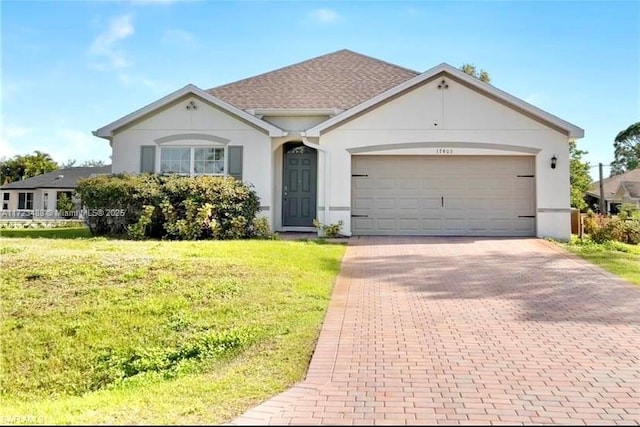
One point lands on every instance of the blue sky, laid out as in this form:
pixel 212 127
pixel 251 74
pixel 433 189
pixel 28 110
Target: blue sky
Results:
pixel 70 67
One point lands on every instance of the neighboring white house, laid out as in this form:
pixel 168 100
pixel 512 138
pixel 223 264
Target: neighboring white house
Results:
pixel 387 150
pixel 38 196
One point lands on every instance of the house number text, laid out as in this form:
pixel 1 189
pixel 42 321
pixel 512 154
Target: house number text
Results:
pixel 444 150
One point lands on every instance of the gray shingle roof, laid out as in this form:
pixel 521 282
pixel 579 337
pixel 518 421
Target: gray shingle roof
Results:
pixel 340 79
pixel 61 178
pixel 633 188
pixel 610 185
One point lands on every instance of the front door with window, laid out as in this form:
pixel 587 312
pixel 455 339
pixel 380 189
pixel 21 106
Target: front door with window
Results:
pixel 299 184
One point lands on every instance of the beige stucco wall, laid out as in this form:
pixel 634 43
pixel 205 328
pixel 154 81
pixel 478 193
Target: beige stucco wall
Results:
pixel 295 123
pixel 427 120
pixel 188 125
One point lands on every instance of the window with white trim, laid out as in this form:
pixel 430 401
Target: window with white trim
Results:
pixel 25 201
pixel 192 160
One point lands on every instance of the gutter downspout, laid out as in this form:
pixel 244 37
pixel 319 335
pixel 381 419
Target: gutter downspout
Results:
pixel 327 175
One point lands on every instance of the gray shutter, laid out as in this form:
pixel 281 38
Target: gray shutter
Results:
pixel 148 158
pixel 235 161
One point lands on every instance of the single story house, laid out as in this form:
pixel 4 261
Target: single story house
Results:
pixel 384 149
pixel 618 189
pixel 40 194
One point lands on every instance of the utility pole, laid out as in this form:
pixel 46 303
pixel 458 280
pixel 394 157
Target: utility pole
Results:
pixel 601 200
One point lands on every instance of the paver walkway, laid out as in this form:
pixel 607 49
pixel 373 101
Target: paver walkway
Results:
pixel 469 331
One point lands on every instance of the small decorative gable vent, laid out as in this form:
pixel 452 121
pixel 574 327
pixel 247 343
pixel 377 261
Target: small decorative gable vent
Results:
pixel 192 106
pixel 443 84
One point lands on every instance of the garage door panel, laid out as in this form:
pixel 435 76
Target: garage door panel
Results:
pixel 454 184
pixel 361 184
pixel 385 183
pixel 385 204
pixel 408 183
pixel 430 183
pixel 454 203
pixel 523 184
pixel 454 224
pixel 477 225
pixel 386 224
pixel 408 224
pixel 523 224
pixel 363 203
pixel 432 224
pixel 428 203
pixel 364 224
pixel 412 204
pixel 483 195
pixel 522 205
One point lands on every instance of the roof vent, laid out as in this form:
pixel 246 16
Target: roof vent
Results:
pixel 60 177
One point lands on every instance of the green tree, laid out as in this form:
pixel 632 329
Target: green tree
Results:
pixel 578 176
pixel 25 166
pixel 471 69
pixel 93 163
pixel 71 163
pixel 626 148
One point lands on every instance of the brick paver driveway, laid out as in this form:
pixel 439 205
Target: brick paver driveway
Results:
pixel 469 331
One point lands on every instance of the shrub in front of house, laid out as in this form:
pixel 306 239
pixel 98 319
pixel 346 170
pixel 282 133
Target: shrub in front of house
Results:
pixel 626 230
pixel 172 207
pixel 623 228
pixel 593 222
pixel 112 203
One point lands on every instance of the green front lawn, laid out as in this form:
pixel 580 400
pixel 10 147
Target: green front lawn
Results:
pixel 98 331
pixel 47 233
pixel 618 258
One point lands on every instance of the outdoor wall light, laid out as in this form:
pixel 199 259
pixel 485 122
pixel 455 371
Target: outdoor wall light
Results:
pixel 554 160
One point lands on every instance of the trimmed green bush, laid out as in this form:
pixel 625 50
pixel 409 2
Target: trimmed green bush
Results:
pixel 114 202
pixel 171 207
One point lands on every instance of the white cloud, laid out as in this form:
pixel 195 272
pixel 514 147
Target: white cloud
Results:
pixel 106 45
pixel 180 38
pixel 9 139
pixel 14 131
pixel 62 144
pixel 325 16
pixel 6 149
pixel 10 136
pixel 72 144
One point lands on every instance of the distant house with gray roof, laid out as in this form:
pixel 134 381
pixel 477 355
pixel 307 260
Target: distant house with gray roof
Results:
pixel 618 189
pixel 39 194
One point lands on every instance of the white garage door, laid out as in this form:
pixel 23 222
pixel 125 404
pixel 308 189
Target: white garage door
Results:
pixel 443 195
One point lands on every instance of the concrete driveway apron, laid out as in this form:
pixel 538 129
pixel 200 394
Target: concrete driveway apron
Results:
pixel 469 331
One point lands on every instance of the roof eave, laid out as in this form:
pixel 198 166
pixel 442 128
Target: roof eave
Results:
pixel 294 112
pixel 572 131
pixel 108 130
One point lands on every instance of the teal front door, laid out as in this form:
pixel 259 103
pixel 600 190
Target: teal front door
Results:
pixel 299 184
